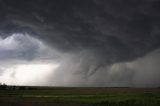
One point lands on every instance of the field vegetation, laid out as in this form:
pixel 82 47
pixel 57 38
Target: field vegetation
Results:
pixel 68 96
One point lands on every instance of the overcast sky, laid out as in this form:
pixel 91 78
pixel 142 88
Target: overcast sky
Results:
pixel 80 42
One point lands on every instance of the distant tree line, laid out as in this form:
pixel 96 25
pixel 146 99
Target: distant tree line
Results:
pixel 3 86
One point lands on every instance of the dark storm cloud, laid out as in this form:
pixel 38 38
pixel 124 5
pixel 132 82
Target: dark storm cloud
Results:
pixel 113 28
pixel 98 32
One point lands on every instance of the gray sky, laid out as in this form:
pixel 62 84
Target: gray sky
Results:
pixel 80 43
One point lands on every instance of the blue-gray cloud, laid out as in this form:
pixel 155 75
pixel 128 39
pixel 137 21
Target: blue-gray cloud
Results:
pixel 24 47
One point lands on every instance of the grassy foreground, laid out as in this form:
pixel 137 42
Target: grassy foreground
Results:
pixel 80 97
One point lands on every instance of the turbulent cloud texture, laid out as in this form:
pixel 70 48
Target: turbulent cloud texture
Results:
pixel 94 42
pixel 25 60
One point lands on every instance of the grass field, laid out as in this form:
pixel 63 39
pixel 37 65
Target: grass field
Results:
pixel 60 96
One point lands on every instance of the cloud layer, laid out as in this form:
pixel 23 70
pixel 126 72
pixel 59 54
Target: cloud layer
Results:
pixel 96 42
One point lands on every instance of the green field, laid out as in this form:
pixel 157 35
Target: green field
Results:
pixel 60 96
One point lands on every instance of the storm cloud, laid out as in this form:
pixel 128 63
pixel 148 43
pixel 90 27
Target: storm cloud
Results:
pixel 95 42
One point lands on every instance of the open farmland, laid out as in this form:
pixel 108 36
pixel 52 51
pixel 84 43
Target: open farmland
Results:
pixel 67 96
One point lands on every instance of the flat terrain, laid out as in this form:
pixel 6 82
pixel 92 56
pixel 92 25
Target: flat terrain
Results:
pixel 63 96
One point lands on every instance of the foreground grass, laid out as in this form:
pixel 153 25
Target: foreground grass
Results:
pixel 81 97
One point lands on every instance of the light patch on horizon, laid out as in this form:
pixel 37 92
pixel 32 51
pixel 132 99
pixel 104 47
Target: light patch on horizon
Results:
pixel 28 74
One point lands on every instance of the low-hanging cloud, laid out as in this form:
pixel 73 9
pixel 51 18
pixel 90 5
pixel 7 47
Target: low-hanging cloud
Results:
pixel 83 68
pixel 142 72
